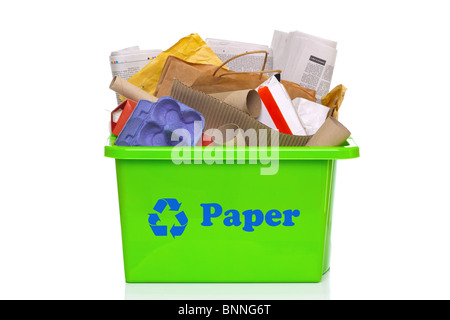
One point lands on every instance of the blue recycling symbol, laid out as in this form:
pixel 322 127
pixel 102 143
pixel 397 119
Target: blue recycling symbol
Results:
pixel 172 206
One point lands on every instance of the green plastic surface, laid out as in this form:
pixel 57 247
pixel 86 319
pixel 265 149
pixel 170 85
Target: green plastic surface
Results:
pixel 221 253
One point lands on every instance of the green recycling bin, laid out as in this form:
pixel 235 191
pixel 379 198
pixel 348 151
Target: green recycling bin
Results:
pixel 238 216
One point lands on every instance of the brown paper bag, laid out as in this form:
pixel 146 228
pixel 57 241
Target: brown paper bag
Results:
pixel 186 72
pixel 210 84
pixel 215 79
pixel 228 80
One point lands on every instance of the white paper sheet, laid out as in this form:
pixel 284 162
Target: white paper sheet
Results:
pixel 312 115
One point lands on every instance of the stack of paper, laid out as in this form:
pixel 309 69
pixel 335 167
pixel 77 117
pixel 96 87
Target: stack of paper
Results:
pixel 305 59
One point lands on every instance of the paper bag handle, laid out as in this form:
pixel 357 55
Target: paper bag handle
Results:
pixel 243 54
pixel 250 72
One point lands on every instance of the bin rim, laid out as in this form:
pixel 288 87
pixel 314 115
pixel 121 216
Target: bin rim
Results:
pixel 349 150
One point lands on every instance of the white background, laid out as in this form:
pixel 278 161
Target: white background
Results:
pixel 59 217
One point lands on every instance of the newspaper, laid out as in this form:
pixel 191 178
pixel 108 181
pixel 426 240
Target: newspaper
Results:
pixel 126 62
pixel 226 49
pixel 305 59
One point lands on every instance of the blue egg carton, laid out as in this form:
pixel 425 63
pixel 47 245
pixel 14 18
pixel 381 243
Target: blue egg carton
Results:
pixel 166 122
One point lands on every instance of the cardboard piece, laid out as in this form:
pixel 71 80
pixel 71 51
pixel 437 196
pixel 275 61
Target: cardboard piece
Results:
pixel 118 121
pixel 331 133
pixel 218 113
pixel 130 91
pixel 247 101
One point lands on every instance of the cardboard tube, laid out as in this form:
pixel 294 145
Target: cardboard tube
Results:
pixel 130 91
pixel 331 134
pixel 245 100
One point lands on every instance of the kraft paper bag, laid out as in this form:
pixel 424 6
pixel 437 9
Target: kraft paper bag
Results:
pixel 186 72
pixel 228 81
pixel 211 79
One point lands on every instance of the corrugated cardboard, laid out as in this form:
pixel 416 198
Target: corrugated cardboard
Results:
pixel 218 113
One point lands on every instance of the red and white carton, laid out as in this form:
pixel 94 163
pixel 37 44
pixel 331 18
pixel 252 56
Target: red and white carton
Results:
pixel 120 115
pixel 277 110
